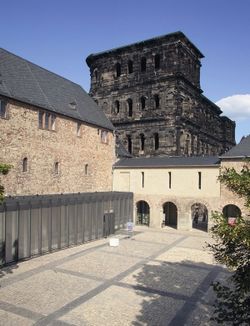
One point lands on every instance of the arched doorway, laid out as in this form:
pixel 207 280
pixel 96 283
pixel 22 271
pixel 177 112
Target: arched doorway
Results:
pixel 143 213
pixel 199 214
pixel 231 211
pixel 170 214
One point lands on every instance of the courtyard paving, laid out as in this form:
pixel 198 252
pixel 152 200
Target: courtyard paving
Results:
pixel 155 277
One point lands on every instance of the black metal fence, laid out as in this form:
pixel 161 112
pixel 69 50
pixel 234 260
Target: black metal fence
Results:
pixel 33 225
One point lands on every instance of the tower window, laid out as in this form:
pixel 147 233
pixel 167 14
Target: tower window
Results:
pixel 117 107
pixel 25 164
pixel 142 138
pixel 156 141
pixel 130 107
pixel 143 102
pixel 118 69
pixel 143 64
pixel 157 61
pixel 130 67
pixel 157 101
pixel 129 144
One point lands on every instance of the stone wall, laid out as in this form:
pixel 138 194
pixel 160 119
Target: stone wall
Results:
pixel 160 110
pixel 58 161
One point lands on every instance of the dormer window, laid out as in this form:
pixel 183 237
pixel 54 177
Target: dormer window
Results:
pixel 72 105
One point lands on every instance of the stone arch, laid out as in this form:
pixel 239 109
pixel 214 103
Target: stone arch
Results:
pixel 170 212
pixel 142 213
pixel 231 211
pixel 199 216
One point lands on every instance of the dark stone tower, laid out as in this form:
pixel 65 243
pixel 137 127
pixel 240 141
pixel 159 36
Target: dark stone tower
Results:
pixel 151 92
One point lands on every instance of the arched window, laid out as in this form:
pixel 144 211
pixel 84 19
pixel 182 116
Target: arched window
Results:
pixel 118 69
pixel 143 102
pixel 157 101
pixel 130 67
pixel 117 107
pixel 157 61
pixel 156 141
pixel 130 107
pixel 129 144
pixel 143 64
pixel 25 164
pixel 96 73
pixel 142 142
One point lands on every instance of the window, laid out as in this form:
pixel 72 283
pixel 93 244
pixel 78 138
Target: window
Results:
pixel 96 73
pixel 25 164
pixel 130 67
pixel 169 180
pixel 78 129
pixel 142 180
pixel 129 144
pixel 157 101
pixel 46 120
pixel 130 107
pixel 118 69
pixel 199 180
pixel 157 61
pixel 143 102
pixel 117 107
pixel 3 111
pixel 156 141
pixel 56 168
pixel 86 167
pixel 142 138
pixel 143 64
pixel 104 137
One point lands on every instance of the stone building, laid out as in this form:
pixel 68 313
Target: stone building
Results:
pixel 52 133
pixel 151 92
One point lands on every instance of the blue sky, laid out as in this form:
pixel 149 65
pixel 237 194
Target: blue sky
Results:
pixel 60 34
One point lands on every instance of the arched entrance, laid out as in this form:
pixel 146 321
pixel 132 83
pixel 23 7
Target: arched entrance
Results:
pixel 199 214
pixel 143 213
pixel 231 211
pixel 170 214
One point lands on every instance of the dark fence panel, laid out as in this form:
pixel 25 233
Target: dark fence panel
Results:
pixel 34 225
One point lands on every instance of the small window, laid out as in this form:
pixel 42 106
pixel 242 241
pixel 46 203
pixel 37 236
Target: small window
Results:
pixel 157 61
pixel 117 107
pixel 142 179
pixel 143 102
pixel 3 111
pixel 78 129
pixel 118 69
pixel 104 137
pixel 157 101
pixel 40 119
pixel 25 164
pixel 56 168
pixel 130 67
pixel 130 107
pixel 53 122
pixel 143 64
pixel 156 141
pixel 199 180
pixel 169 180
pixel 96 73
pixel 86 169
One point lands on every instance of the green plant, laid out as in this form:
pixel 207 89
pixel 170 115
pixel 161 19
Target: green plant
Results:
pixel 4 169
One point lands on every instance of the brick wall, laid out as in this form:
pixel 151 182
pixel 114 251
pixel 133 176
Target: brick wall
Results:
pixel 20 137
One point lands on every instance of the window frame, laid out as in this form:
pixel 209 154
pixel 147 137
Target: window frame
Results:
pixel 3 109
pixel 104 137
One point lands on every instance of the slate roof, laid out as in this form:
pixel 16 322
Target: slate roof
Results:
pixel 239 151
pixel 166 161
pixel 29 83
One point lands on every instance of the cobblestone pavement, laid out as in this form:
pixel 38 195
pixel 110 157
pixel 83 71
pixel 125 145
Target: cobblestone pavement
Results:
pixel 155 277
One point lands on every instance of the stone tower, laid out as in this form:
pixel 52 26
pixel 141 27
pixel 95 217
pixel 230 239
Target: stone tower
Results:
pixel 151 92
